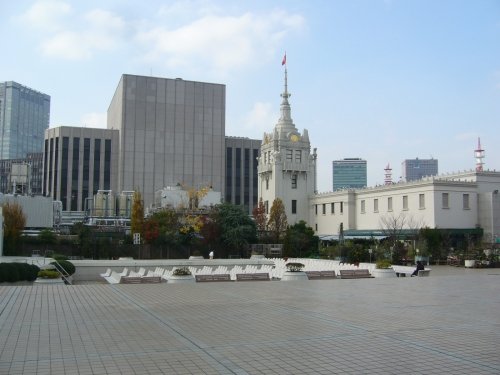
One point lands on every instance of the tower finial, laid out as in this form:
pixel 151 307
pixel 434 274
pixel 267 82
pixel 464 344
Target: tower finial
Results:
pixel 285 122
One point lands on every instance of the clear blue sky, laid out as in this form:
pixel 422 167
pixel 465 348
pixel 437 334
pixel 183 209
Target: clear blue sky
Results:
pixel 381 80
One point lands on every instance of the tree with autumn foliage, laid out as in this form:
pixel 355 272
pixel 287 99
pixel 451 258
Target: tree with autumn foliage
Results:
pixel 277 223
pixel 137 216
pixel 14 223
pixel 260 218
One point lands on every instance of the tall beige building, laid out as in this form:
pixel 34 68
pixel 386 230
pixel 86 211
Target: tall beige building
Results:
pixel 171 131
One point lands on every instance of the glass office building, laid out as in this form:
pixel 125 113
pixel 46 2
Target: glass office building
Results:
pixel 349 173
pixel 416 169
pixel 24 116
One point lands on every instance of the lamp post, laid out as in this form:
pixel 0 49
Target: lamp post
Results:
pixel 417 258
pixel 370 251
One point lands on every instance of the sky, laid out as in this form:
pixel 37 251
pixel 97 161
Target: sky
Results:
pixel 382 80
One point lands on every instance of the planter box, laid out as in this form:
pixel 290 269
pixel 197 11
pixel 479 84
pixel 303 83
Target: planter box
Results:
pixel 185 279
pixel 383 273
pixel 469 263
pixel 292 276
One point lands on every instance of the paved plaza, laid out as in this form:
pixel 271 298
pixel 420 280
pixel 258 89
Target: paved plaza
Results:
pixel 448 323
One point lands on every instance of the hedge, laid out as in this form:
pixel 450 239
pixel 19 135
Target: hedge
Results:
pixel 13 272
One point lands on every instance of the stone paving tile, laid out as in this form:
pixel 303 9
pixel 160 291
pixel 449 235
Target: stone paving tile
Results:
pixel 445 325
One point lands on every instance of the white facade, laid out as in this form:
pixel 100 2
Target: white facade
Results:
pixel 432 203
pixel 461 201
pixel 286 167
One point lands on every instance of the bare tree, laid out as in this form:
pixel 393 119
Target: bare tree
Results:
pixel 392 226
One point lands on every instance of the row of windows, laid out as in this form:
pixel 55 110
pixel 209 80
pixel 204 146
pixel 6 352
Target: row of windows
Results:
pixel 294 178
pixel 445 202
pixel 333 206
pixel 291 155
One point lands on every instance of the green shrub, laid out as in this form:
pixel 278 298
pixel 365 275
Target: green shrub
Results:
pixel 64 266
pixel 294 267
pixel 13 272
pixel 31 272
pixel 49 274
pixel 383 263
pixel 9 272
pixel 59 257
pixel 183 271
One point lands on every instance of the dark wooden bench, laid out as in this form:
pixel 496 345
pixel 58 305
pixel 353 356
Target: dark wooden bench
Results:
pixel 252 277
pixel 320 275
pixel 355 274
pixel 140 280
pixel 130 280
pixel 151 280
pixel 215 277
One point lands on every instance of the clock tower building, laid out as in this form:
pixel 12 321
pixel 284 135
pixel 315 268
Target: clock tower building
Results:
pixel 286 168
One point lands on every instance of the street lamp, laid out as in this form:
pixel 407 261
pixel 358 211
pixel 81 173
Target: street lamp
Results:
pixel 417 258
pixel 370 251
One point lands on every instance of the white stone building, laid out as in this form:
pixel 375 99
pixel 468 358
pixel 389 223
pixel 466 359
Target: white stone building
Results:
pixel 462 201
pixel 286 167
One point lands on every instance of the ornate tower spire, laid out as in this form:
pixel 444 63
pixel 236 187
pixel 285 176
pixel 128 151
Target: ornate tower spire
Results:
pixel 285 122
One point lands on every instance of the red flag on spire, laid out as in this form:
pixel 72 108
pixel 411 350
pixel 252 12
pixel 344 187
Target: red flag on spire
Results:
pixel 283 62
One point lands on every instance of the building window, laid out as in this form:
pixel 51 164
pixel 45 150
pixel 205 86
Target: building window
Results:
pixel 316 226
pixel 466 202
pixel 332 208
pixel 341 207
pixel 389 204
pixel 265 157
pixel 294 206
pixel 405 202
pixel 266 205
pixel 289 155
pixel 375 205
pixel 294 181
pixel 445 199
pixel 421 201
pixel 298 156
pixel 363 206
pixel 237 175
pixel 315 209
pixel 324 209
pixel 267 183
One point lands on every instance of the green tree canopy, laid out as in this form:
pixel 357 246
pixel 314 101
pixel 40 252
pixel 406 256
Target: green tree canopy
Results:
pixel 236 228
pixel 300 241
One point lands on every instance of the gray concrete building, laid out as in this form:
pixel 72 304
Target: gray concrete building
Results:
pixel 241 171
pixel 77 163
pixel 24 116
pixel 171 131
pixel 29 181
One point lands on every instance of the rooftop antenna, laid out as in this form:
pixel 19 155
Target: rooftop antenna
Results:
pixel 479 155
pixel 388 175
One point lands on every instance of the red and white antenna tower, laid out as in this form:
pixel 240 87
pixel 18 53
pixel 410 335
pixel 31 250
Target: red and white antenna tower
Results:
pixel 479 155
pixel 388 175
